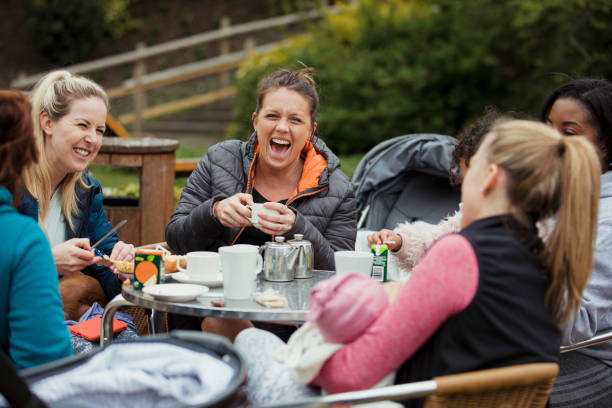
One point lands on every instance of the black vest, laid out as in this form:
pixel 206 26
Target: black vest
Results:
pixel 506 323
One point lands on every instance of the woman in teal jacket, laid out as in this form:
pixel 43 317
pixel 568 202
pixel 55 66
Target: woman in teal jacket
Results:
pixel 32 329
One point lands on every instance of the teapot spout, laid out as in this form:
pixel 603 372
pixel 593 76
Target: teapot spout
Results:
pixel 292 257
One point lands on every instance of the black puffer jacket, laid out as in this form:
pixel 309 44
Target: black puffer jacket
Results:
pixel 326 213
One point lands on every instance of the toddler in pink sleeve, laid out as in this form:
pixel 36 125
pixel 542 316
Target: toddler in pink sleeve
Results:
pixel 341 309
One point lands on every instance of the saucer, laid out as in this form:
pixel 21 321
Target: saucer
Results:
pixel 175 292
pixel 184 278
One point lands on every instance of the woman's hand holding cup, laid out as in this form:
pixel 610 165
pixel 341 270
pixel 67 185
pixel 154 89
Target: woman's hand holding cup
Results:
pixel 233 211
pixel 386 237
pixel 276 224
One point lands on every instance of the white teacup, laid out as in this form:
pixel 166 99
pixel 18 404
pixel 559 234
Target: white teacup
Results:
pixel 257 209
pixel 201 265
pixel 354 261
pixel 240 265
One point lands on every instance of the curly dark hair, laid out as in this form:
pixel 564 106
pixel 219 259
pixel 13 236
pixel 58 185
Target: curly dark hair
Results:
pixel 468 140
pixel 17 146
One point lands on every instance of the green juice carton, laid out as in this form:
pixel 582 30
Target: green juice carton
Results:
pixel 380 262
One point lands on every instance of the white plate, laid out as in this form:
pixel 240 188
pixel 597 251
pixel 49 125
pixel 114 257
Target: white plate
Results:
pixel 175 292
pixel 184 278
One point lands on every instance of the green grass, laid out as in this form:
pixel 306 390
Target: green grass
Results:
pixel 187 152
pixel 123 181
pixel 114 177
pixel 348 163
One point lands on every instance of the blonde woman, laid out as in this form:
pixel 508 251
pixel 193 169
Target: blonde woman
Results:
pixel 492 294
pixel 69 114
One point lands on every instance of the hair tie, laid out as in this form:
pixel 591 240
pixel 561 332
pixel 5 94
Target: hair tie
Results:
pixel 561 146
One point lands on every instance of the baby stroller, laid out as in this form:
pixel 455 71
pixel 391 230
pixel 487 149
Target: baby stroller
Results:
pixel 217 351
pixel 406 179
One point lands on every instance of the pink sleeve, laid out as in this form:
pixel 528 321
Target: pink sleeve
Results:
pixel 444 283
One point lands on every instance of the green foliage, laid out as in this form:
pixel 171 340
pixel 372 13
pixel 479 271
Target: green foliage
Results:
pixel 349 163
pixel 65 31
pixel 387 68
pixel 119 19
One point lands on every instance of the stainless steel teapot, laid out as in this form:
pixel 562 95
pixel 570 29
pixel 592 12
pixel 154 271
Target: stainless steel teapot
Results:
pixel 278 260
pixel 304 262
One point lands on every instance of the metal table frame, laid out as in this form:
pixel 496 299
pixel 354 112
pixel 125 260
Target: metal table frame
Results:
pixel 296 292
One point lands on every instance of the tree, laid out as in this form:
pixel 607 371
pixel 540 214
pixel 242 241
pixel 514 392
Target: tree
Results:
pixel 387 68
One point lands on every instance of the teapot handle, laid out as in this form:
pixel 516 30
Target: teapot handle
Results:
pixel 258 266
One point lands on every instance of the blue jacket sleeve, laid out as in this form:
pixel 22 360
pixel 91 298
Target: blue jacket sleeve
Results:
pixel 594 315
pixel 97 226
pixel 36 320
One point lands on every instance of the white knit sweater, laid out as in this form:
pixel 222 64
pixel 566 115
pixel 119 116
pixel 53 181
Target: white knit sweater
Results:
pixel 418 236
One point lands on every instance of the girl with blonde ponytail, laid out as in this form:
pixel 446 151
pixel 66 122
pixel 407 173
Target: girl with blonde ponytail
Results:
pixel 545 175
pixel 69 118
pixel 492 294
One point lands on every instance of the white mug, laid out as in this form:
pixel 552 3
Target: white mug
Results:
pixel 240 264
pixel 201 265
pixel 354 261
pixel 256 209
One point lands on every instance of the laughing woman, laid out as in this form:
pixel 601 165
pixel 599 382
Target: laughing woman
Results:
pixel 69 114
pixel 285 166
pixel 282 165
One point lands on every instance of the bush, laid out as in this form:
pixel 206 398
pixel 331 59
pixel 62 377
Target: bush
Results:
pixel 387 68
pixel 68 31
pixel 65 31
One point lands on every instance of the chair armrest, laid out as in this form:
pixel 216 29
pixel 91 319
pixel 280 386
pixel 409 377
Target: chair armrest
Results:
pixel 597 339
pixel 399 392
pixel 496 378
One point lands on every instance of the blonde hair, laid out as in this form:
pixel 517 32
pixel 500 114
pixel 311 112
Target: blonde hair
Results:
pixel 550 175
pixel 54 94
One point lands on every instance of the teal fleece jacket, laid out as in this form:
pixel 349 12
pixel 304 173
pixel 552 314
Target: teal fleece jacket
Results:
pixel 32 329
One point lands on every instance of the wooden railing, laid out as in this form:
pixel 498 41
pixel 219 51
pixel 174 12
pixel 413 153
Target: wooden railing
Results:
pixel 141 82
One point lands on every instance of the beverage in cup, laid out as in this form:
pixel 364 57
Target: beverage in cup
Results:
pixel 240 265
pixel 353 261
pixel 257 209
pixel 201 265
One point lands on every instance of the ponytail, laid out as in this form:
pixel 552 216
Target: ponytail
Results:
pixel 549 175
pixel 569 252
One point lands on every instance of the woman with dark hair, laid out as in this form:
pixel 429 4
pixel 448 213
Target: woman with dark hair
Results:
pixel 583 107
pixel 284 166
pixel 28 280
